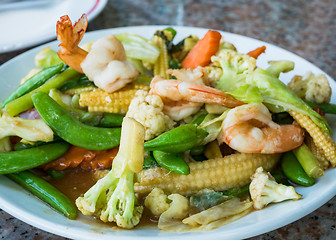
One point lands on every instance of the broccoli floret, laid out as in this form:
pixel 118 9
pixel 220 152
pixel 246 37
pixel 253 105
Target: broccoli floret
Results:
pixel 278 67
pixel 236 68
pixel 265 190
pixel 314 88
pixel 112 198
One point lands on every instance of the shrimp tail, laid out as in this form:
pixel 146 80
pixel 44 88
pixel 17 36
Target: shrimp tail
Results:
pixel 70 36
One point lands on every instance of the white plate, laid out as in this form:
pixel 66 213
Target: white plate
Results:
pixel 29 26
pixel 28 208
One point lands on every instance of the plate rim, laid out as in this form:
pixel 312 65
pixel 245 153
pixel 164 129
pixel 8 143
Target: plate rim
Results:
pixel 92 13
pixel 49 227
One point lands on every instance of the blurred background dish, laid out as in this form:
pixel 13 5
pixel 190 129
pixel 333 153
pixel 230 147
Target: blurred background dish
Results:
pixel 28 23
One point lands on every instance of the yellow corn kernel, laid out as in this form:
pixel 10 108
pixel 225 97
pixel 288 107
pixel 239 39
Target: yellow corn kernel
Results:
pixel 317 152
pixel 161 65
pixel 116 102
pixel 218 174
pixel 321 139
pixel 79 90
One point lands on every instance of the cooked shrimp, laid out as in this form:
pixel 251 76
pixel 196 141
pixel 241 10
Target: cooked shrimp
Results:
pixel 178 110
pixel 105 64
pixel 176 90
pixel 250 129
pixel 70 36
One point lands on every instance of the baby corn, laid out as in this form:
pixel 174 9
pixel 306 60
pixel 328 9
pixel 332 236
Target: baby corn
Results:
pixel 218 174
pixel 321 139
pixel 318 153
pixel 79 90
pixel 116 102
pixel 161 64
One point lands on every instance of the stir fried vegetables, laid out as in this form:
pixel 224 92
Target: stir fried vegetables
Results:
pixel 204 129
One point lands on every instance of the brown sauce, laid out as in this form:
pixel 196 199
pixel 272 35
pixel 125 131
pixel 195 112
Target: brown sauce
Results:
pixel 74 183
pixel 77 181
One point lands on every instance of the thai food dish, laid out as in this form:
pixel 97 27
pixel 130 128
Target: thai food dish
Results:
pixel 188 135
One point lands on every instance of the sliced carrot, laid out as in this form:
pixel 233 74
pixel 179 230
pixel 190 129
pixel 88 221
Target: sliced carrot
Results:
pixel 86 159
pixel 200 54
pixel 255 53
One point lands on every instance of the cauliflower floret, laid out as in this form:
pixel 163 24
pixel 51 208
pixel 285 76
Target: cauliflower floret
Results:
pixel 264 190
pixel 147 109
pixel 177 210
pixel 236 68
pixel 157 201
pixel 212 75
pixel 314 88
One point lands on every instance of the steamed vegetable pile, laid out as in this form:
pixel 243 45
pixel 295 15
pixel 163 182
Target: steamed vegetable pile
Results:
pixel 193 130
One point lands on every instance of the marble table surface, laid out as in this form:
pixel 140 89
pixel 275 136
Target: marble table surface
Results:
pixel 307 28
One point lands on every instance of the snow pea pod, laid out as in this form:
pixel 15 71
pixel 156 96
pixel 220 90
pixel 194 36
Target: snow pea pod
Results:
pixel 179 139
pixel 294 171
pixel 172 161
pixel 46 192
pixel 325 107
pixel 34 82
pixel 16 161
pixel 72 130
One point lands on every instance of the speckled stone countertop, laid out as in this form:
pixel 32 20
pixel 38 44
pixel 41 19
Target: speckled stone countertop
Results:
pixel 307 28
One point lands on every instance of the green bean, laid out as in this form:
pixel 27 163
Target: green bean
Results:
pixel 178 139
pixel 294 171
pixel 46 192
pixel 308 161
pixel 16 161
pixel 325 107
pixel 172 161
pixel 35 81
pixel 72 130
pixel 24 102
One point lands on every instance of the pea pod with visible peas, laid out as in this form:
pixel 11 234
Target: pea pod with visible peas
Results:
pixel 294 171
pixel 172 161
pixel 46 192
pixel 72 130
pixel 16 161
pixel 179 139
pixel 89 118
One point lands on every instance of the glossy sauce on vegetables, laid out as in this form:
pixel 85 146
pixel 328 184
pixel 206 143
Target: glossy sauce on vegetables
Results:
pixel 77 181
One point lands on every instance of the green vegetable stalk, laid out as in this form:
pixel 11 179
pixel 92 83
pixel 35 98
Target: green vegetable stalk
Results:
pixel 308 161
pixel 34 82
pixel 24 102
pixel 112 198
